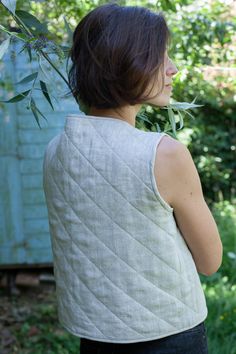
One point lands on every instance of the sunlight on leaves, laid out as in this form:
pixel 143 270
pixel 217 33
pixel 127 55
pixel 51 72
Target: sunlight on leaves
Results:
pixel 4 46
pixel 10 5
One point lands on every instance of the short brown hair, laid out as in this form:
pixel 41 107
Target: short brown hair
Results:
pixel 115 53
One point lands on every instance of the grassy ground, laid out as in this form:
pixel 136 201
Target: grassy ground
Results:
pixel 30 324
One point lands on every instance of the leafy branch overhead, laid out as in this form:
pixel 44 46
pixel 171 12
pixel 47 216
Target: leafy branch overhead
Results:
pixel 34 36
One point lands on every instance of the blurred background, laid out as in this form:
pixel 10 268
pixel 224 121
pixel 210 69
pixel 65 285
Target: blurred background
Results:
pixel 203 49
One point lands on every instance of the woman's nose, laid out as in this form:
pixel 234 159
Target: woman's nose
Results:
pixel 171 69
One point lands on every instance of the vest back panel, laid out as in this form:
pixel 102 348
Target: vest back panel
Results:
pixel 123 270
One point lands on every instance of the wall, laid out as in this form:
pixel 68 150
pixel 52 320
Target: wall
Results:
pixel 24 230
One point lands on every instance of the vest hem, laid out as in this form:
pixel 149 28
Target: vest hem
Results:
pixel 127 341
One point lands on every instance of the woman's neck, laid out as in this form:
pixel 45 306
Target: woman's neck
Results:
pixel 127 113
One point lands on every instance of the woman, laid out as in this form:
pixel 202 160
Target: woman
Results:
pixel 129 225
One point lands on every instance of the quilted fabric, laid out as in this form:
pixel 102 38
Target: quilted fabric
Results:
pixel 122 268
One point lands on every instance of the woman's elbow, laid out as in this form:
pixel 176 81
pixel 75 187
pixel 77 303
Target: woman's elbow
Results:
pixel 212 268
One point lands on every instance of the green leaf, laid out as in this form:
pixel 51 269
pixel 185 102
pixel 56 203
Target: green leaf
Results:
pixel 190 114
pixel 158 127
pixel 28 49
pixel 183 105
pixel 29 53
pixel 167 126
pixel 34 111
pixel 37 109
pixel 32 22
pixel 144 117
pixel 43 72
pixel 181 121
pixel 5 30
pixel 45 92
pixel 28 78
pixel 21 36
pixel 10 5
pixel 172 120
pixel 18 98
pixel 194 99
pixel 68 30
pixel 4 46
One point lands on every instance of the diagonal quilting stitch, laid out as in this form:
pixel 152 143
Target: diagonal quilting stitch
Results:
pixel 68 263
pixel 109 280
pixel 155 223
pixel 111 250
pixel 65 229
pixel 122 194
pixel 115 221
pixel 118 156
pixel 68 289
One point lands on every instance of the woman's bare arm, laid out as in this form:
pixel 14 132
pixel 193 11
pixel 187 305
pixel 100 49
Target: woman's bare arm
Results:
pixel 179 184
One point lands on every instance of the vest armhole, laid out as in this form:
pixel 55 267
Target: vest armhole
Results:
pixel 152 174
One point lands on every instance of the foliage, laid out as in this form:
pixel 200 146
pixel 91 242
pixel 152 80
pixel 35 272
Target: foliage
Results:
pixel 220 288
pixel 205 42
pixel 225 216
pixel 50 338
pixel 35 34
pixel 221 319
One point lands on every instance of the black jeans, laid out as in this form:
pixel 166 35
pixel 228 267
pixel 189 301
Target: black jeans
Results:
pixel 191 341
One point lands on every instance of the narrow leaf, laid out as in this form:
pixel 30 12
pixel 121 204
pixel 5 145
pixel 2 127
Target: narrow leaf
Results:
pixel 68 30
pixel 43 72
pixel 172 120
pixel 4 46
pixel 158 127
pixel 32 22
pixel 190 114
pixel 167 126
pixel 27 47
pixel 29 53
pixel 18 98
pixel 144 117
pixel 41 113
pixel 10 5
pixel 34 111
pixel 194 99
pixel 181 121
pixel 184 105
pixel 181 106
pixel 37 109
pixel 21 36
pixel 28 78
pixel 51 95
pixel 45 92
pixel 5 30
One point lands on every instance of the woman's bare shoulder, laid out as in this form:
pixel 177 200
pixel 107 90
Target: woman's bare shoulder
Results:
pixel 170 146
pixel 172 162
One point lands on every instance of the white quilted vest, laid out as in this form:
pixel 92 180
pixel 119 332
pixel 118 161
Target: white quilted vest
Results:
pixel 123 271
